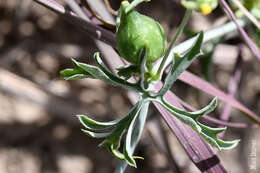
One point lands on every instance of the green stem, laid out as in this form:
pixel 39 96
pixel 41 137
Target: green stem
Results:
pixel 208 36
pixel 176 36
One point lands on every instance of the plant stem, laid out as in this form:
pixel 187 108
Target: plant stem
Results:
pixel 110 9
pixel 250 43
pixel 110 38
pixel 247 13
pixel 106 23
pixel 208 36
pixel 176 36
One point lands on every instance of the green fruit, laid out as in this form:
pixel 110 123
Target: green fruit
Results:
pixel 137 31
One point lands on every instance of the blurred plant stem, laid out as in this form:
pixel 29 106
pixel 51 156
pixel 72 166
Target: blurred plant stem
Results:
pixel 209 35
pixel 247 13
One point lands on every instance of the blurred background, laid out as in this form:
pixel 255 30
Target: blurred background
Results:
pixel 39 132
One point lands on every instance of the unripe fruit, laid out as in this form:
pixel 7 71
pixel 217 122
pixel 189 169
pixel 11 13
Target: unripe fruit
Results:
pixel 137 31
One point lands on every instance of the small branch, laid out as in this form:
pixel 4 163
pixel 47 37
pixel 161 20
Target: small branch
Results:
pixel 88 28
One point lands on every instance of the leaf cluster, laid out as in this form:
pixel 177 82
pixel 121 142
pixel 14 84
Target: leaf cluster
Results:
pixel 132 123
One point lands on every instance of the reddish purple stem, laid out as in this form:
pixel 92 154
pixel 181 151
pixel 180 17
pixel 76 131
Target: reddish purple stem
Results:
pixel 207 87
pixel 233 85
pixel 214 120
pixel 247 39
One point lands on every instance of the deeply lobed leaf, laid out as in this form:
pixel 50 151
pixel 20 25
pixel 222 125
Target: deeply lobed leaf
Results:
pixel 91 124
pixel 113 137
pixel 191 119
pixel 181 64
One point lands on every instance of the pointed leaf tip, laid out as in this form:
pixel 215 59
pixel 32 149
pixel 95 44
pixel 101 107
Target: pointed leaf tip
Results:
pixel 91 124
pixel 228 145
pixel 94 134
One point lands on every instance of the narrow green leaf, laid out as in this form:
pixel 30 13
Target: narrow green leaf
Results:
pixel 181 64
pixel 129 159
pixel 77 76
pixel 114 78
pixel 185 119
pixel 71 74
pixel 227 145
pixel 207 109
pixel 95 72
pixel 196 114
pixel 96 125
pixel 210 131
pixel 96 135
pixel 134 133
pixel 117 154
pixel 82 70
pixel 210 135
pixel 112 141
pixel 140 122
pixel 137 131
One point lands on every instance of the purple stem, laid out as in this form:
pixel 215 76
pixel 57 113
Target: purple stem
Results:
pixel 233 85
pixel 247 39
pixel 232 88
pixel 89 28
pixel 89 14
pixel 207 87
pixel 214 120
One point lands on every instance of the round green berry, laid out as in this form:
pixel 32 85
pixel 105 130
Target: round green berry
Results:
pixel 137 31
